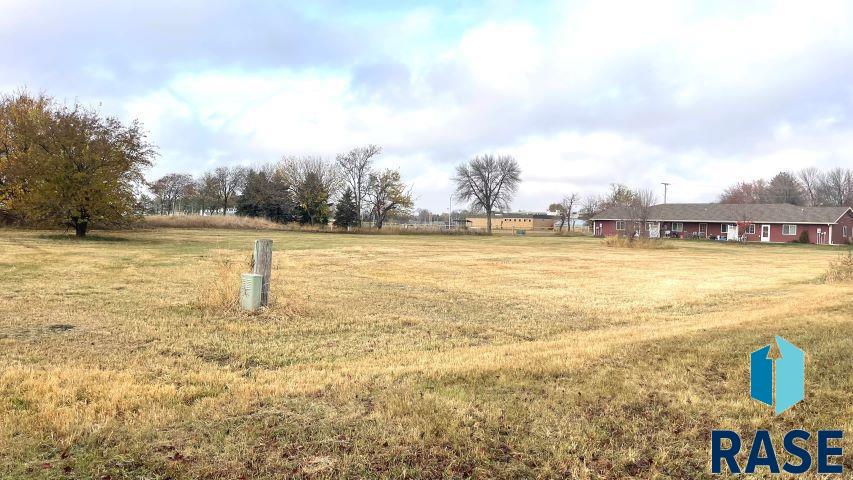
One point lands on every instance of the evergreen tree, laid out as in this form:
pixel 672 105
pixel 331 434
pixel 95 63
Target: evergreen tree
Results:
pixel 265 195
pixel 346 214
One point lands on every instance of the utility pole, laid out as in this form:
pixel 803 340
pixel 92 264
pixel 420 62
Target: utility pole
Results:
pixel 450 212
pixel 665 185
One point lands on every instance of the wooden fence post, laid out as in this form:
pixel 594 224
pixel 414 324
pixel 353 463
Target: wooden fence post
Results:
pixel 262 265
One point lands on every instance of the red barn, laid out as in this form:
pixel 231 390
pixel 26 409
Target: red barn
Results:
pixel 753 222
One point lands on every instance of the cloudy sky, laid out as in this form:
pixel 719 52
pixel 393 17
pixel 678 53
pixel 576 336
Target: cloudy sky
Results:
pixel 583 94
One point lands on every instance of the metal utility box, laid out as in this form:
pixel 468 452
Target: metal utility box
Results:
pixel 250 291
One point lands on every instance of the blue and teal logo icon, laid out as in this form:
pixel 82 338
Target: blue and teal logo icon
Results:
pixel 789 367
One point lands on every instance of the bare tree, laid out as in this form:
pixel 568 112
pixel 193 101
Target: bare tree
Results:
pixel 565 208
pixel 591 206
pixel 355 168
pixel 387 194
pixel 836 187
pixel 171 188
pixel 206 188
pixel 488 182
pixel 640 207
pixel 810 179
pixel 228 182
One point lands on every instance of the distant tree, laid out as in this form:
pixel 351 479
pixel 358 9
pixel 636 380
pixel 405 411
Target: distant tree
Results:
pixel 255 194
pixel 836 187
pixel 346 211
pixel 169 189
pixel 424 215
pixel 745 192
pixel 206 193
pixel 355 168
pixel 488 183
pixel 810 180
pixel 619 195
pixel 228 181
pixel 591 206
pixel 67 164
pixel 565 208
pixel 640 208
pixel 784 188
pixel 266 195
pixel 313 183
pixel 387 194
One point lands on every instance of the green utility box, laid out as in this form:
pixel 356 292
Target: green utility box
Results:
pixel 250 291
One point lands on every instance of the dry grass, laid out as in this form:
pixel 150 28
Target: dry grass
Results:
pixel 402 356
pixel 251 223
pixel 217 290
pixel 210 221
pixel 638 243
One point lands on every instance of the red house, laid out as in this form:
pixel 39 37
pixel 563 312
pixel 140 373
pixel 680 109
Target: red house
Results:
pixel 754 222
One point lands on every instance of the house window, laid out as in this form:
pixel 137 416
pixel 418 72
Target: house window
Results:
pixel 620 224
pixel 751 229
pixel 844 230
pixel 789 229
pixel 703 228
pixel 677 227
pixel 724 228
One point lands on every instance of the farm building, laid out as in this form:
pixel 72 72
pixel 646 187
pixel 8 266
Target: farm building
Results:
pixel 755 223
pixel 514 221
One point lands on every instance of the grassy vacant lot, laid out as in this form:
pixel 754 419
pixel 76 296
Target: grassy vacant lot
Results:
pixel 419 356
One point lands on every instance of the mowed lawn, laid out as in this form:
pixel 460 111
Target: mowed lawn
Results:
pixel 402 356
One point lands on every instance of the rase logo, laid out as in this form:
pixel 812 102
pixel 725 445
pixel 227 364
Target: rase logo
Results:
pixel 790 375
pixel 779 383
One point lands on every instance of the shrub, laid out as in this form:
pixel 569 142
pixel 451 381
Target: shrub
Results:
pixel 641 243
pixel 840 270
pixel 219 286
pixel 804 236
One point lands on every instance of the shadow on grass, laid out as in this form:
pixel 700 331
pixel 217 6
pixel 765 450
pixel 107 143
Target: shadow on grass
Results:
pixel 87 238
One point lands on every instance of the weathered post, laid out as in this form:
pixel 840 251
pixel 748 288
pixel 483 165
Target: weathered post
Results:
pixel 262 265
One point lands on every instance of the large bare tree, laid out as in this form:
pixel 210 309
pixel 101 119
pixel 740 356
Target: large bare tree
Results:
pixel 488 182
pixel 228 181
pixel 810 178
pixel 355 169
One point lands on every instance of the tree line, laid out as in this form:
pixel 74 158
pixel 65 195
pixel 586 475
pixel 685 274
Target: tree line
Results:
pixel 809 187
pixel 68 165
pixel 309 190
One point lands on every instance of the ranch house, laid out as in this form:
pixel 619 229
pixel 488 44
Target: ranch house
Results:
pixel 760 222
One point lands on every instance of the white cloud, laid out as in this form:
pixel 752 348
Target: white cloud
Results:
pixel 700 95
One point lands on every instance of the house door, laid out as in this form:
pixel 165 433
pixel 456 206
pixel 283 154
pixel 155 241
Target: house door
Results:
pixel 765 233
pixel 703 230
pixel 654 229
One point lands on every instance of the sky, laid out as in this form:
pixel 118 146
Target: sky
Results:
pixel 583 94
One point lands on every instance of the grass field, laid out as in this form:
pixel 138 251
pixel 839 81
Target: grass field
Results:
pixel 402 356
